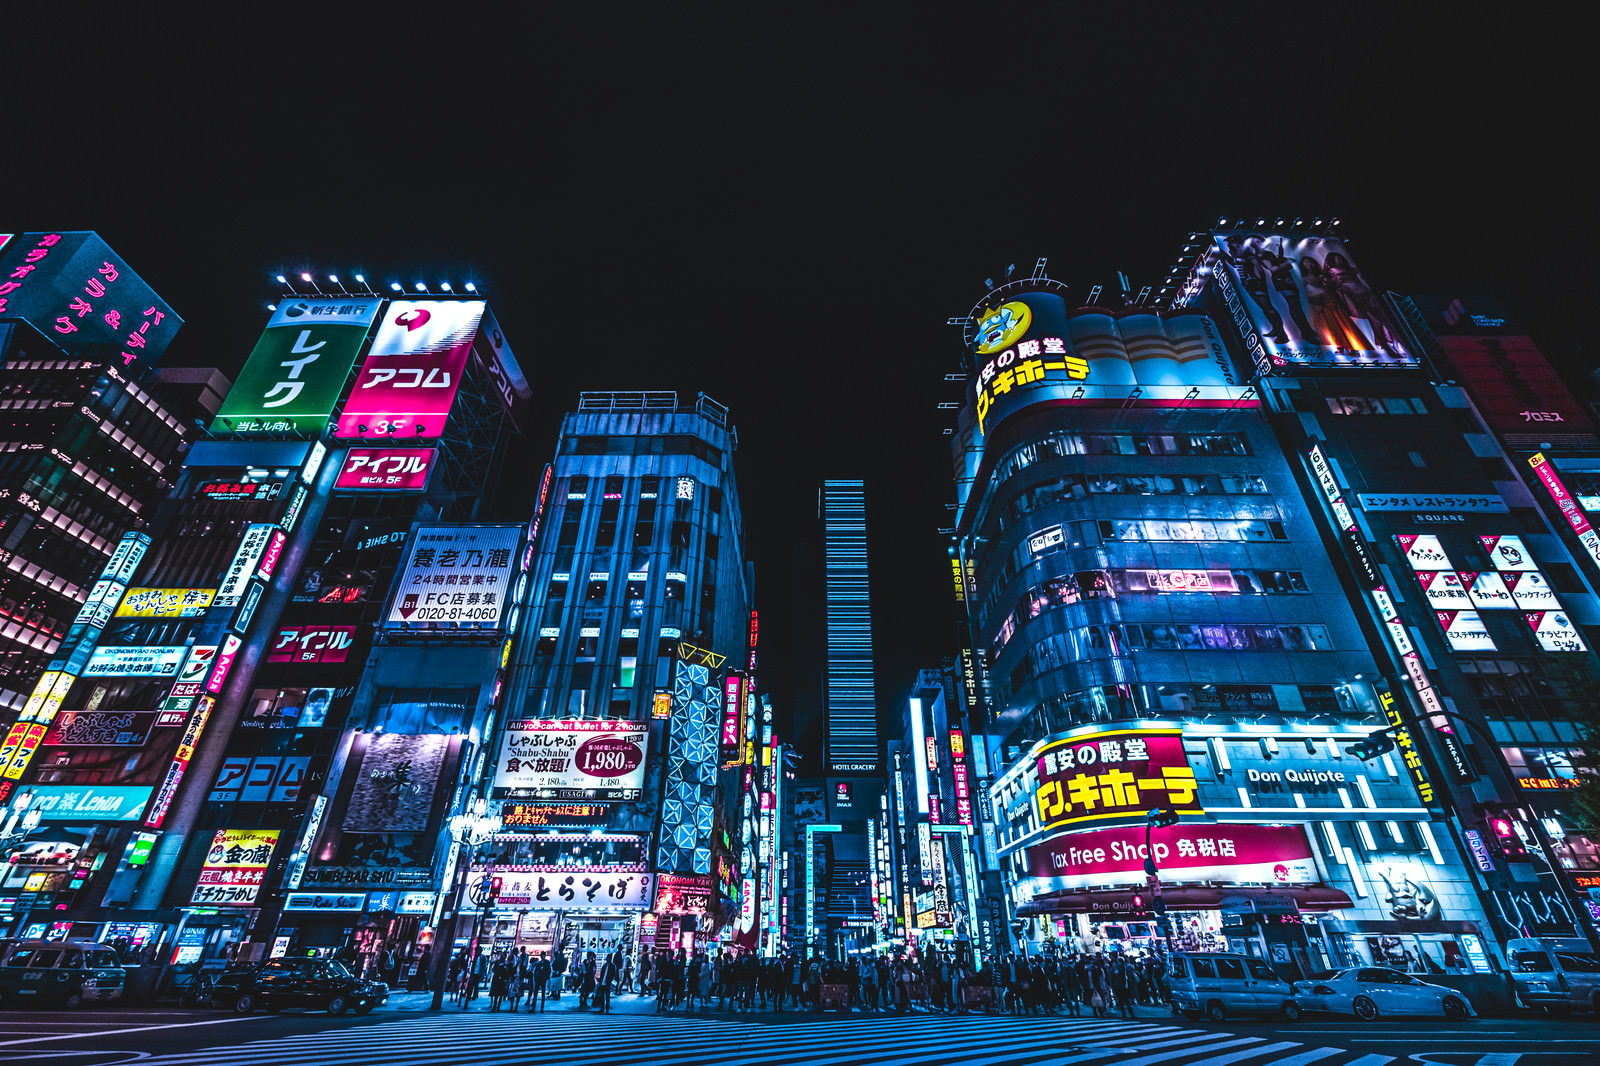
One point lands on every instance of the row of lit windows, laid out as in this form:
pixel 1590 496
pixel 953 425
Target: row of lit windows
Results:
pixel 1092 533
pixel 1082 643
pixel 1068 589
pixel 1080 486
pixel 1057 445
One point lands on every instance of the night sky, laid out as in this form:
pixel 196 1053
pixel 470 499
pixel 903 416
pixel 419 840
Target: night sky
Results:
pixel 781 211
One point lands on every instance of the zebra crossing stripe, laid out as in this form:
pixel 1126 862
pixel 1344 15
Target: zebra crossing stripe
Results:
pixel 579 1041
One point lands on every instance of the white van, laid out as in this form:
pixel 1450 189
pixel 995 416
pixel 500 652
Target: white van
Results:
pixel 1217 985
pixel 1560 974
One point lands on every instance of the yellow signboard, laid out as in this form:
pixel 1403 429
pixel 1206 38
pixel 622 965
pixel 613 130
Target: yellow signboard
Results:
pixel 165 603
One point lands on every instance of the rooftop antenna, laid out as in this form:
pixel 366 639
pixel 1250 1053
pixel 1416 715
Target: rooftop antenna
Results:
pixel 1010 269
pixel 1038 268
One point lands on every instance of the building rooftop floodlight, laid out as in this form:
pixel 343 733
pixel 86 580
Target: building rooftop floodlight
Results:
pixel 272 307
pixel 334 278
pixel 305 276
pixel 471 287
pixel 360 280
pixel 445 285
pixel 395 285
pixel 282 280
pixel 421 287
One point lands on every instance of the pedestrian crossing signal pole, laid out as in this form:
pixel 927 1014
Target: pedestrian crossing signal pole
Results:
pixel 1158 818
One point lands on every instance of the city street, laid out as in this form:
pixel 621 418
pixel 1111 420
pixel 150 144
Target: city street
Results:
pixel 405 1033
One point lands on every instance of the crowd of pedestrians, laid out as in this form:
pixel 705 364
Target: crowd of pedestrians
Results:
pixel 1101 984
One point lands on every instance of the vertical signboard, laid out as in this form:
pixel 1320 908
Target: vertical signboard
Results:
pixel 298 368
pixel 732 706
pixel 409 379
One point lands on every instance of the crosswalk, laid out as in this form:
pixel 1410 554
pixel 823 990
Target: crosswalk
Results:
pixel 651 1040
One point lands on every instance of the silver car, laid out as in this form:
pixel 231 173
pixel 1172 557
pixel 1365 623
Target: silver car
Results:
pixel 1371 991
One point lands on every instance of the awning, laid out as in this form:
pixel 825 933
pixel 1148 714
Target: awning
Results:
pixel 1119 901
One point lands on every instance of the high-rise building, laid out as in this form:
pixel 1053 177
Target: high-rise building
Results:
pixel 268 701
pixel 849 702
pixel 638 643
pixel 90 447
pixel 1143 548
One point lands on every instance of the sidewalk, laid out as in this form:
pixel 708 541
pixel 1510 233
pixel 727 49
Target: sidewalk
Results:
pixel 629 1003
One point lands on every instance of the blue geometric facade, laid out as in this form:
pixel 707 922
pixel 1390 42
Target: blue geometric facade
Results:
pixel 684 843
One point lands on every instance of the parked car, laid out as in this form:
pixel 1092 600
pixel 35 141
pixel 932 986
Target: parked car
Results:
pixel 65 972
pixel 1217 985
pixel 1560 974
pixel 277 983
pixel 1371 991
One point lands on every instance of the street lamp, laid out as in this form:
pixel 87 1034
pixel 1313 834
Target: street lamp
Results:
pixel 1383 740
pixel 1158 818
pixel 470 831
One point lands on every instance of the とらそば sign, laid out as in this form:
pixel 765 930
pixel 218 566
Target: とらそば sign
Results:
pixel 571 760
pixel 1111 777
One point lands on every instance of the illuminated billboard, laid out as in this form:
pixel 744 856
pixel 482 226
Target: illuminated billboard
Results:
pixel 235 867
pixel 1086 780
pixel 455 577
pixel 390 469
pixel 565 759
pixel 294 376
pixel 165 603
pixel 1029 350
pixel 1300 302
pixel 75 290
pixel 1265 854
pixel 408 381
pixel 135 661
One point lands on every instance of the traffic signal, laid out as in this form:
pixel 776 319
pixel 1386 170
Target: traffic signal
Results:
pixel 1161 817
pixel 1375 745
pixel 494 889
pixel 1138 902
pixel 1503 831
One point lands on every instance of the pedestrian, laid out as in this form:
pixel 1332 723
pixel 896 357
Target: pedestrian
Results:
pixel 1071 988
pixel 499 981
pixel 604 974
pixel 1122 986
pixel 541 979
pixel 586 981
